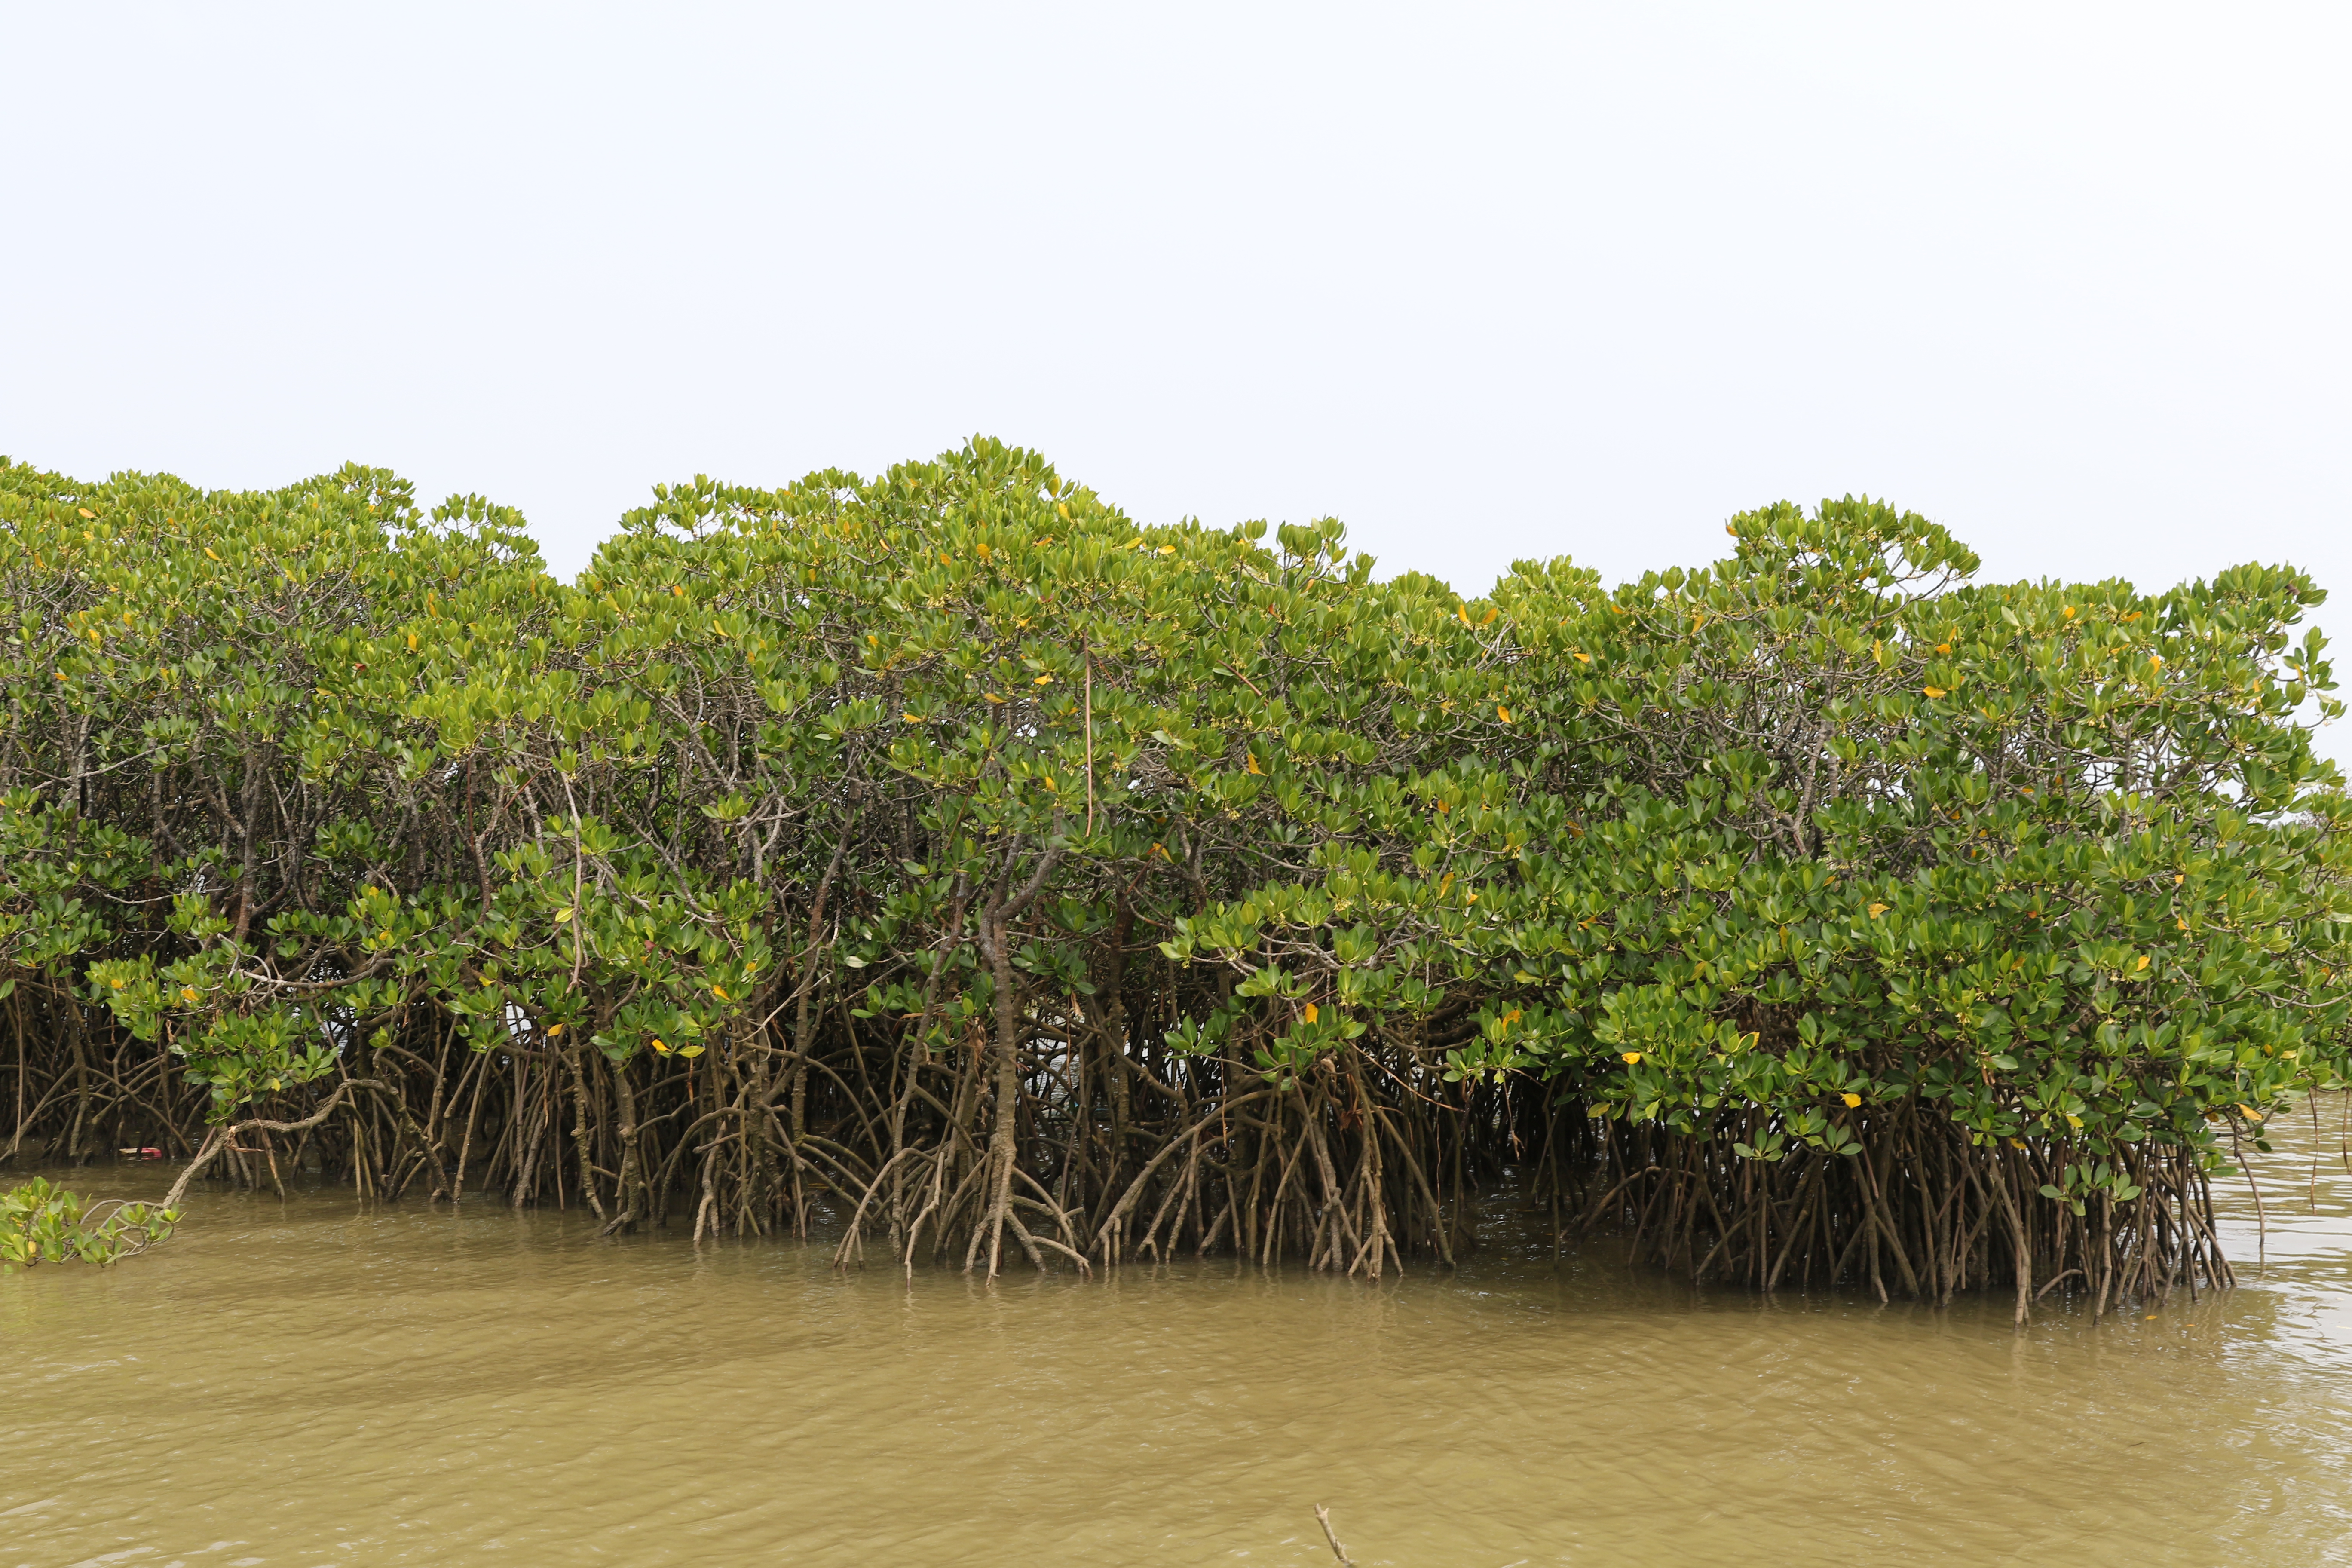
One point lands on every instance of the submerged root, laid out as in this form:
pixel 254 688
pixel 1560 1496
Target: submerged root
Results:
pixel 1115 1150
pixel 1919 1210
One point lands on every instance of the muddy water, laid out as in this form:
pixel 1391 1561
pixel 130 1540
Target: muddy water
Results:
pixel 312 1382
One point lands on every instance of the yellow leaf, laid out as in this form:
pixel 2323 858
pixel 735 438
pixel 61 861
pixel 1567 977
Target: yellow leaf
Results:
pixel 2017 1142
pixel 689 1050
pixel 412 642
pixel 1633 1058
pixel 1583 658
pixel 991 697
pixel 1943 647
pixel 1933 691
pixel 1311 1014
pixel 87 512
pixel 985 554
pixel 2141 964
pixel 662 1049
pixel 1878 910
pixel 1252 765
pixel 562 915
pixel 1489 618
pixel 2251 1114
pixel 946 559
pixel 1064 507
pixel 1442 807
pixel 1731 530
pixel 719 992
pixel 118 985
pixel 2067 614
pixel 910 718
pixel 1503 713
pixel 554 1030
pixel 1852 1101
pixel 678 589
pixel 1167 550
pixel 187 993
pixel 208 550
pixel 2179 878
pixel 1045 680
pixel 273 1083
pixel 2073 1121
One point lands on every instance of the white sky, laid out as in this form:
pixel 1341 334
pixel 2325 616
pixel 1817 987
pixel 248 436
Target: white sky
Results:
pixel 1485 281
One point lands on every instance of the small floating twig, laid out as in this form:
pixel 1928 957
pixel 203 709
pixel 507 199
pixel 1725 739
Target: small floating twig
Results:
pixel 1323 1518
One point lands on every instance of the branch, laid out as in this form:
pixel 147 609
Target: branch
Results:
pixel 1323 1518
pixel 221 1136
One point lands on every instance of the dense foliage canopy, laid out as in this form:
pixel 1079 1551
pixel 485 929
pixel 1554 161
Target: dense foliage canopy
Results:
pixel 947 852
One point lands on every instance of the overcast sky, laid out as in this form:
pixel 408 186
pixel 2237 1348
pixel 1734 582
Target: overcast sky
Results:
pixel 1487 282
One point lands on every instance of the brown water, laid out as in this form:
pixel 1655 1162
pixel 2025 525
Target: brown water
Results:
pixel 312 1382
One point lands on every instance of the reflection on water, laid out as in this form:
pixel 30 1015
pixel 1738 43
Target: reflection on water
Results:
pixel 312 1382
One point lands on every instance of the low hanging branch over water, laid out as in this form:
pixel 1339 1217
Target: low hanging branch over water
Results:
pixel 947 859
pixel 222 1135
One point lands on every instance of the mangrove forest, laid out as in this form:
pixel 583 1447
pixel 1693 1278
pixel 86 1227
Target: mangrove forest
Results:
pixel 950 865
